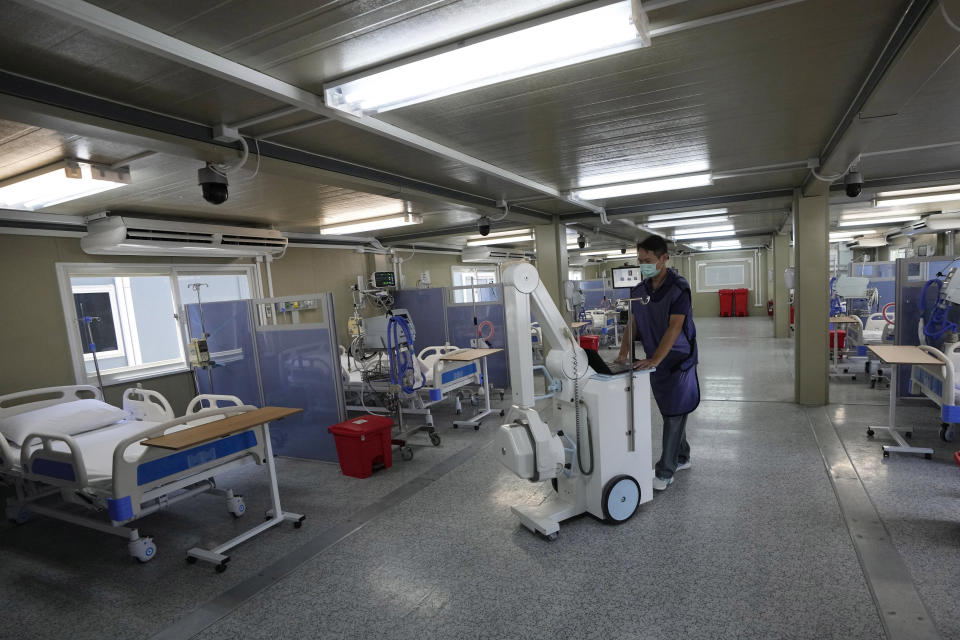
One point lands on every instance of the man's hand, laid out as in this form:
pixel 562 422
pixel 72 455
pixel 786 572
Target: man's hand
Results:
pixel 646 363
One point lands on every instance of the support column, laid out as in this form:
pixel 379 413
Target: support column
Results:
pixel 781 295
pixel 811 222
pixel 552 264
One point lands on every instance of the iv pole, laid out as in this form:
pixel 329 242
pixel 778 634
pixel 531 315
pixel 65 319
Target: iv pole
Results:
pixel 203 331
pixel 87 321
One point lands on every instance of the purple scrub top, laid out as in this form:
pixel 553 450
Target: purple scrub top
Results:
pixel 675 385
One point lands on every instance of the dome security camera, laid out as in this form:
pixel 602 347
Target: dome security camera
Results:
pixel 213 184
pixel 483 225
pixel 623 250
pixel 581 241
pixel 853 184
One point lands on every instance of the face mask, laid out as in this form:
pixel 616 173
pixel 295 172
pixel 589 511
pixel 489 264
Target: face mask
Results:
pixel 648 270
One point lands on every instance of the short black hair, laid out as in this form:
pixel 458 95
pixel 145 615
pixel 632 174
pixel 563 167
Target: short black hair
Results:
pixel 654 244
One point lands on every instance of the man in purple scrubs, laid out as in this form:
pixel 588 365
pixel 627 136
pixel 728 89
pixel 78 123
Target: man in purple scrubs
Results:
pixel 663 323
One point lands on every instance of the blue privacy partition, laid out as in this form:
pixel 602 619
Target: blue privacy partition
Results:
pixel 593 293
pixel 426 308
pixel 466 310
pixel 300 367
pixel 912 274
pixel 231 348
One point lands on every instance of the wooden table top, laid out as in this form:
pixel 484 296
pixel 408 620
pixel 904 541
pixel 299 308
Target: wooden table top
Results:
pixel 219 428
pixel 578 325
pixel 845 320
pixel 466 355
pixel 902 354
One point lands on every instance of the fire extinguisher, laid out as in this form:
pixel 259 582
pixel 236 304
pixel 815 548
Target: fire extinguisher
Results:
pixel 770 307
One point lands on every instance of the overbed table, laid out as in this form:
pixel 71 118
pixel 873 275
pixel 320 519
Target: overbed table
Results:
pixel 896 356
pixel 469 355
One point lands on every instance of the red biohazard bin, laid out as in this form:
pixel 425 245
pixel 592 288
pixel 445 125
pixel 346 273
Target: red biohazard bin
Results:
pixel 841 337
pixel 726 303
pixel 363 442
pixel 590 342
pixel 740 297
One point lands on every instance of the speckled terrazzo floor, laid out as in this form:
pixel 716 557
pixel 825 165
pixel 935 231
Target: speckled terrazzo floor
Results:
pixel 749 543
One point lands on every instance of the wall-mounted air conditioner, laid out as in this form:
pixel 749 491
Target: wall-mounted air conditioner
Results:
pixel 477 254
pixel 128 236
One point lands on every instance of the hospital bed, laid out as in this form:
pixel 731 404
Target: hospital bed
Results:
pixel 440 377
pixel 71 457
pixel 937 382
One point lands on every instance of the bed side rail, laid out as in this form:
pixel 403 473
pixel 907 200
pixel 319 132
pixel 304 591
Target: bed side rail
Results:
pixel 47 465
pixel 937 383
pixel 147 404
pixel 212 401
pixel 13 404
pixel 156 466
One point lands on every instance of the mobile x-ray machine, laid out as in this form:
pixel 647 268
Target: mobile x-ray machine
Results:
pixel 596 449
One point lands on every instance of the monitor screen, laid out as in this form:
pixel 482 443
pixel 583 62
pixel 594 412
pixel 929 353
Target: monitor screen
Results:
pixel 626 277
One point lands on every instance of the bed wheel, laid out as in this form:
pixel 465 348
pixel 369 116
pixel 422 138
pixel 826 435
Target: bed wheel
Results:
pixel 870 433
pixel 928 456
pixel 502 413
pixel 299 523
pixel 143 549
pixel 236 506
pixel 435 439
pixel 886 454
pixel 221 567
pixel 948 432
pixel 908 435
pixel 406 453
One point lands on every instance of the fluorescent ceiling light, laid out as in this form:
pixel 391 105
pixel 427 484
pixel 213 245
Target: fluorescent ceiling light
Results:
pixel 879 216
pixel 500 240
pixel 606 252
pixel 497 234
pixel 688 214
pixel 61 182
pixel 645 173
pixel 646 186
pixel 855 223
pixel 704 234
pixel 546 45
pixel 879 241
pixel 688 222
pixel 924 195
pixel 371 224
pixel 920 191
pixel 856 232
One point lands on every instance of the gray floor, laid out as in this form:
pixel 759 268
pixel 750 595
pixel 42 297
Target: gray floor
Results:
pixel 749 543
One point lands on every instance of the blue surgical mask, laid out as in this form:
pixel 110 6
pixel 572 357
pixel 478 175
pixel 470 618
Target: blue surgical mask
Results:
pixel 648 270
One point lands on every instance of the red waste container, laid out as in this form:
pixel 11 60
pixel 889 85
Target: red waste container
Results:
pixel 726 303
pixel 363 442
pixel 841 337
pixel 590 342
pixel 740 297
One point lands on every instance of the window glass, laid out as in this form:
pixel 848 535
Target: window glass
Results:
pixel 133 316
pixel 474 277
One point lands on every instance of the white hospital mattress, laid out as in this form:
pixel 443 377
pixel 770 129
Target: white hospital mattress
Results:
pixel 97 447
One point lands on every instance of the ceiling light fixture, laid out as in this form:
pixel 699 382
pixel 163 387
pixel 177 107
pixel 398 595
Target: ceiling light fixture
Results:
pixel 371 224
pixel 879 216
pixel 686 222
pixel 563 39
pixel 704 232
pixel 606 252
pixel 497 234
pixel 645 186
pixel 500 240
pixel 688 214
pixel 855 223
pixel 923 195
pixel 60 182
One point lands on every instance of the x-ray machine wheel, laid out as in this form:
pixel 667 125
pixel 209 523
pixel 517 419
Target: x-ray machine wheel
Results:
pixel 621 497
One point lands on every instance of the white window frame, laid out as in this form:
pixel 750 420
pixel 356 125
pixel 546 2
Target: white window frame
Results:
pixel 118 270
pixel 475 271
pixel 576 271
pixel 702 265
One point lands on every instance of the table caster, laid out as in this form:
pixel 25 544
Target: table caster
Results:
pixel 406 453
pixel 870 433
pixel 928 456
pixel 435 439
pixel 886 454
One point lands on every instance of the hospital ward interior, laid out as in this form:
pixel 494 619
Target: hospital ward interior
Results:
pixel 501 319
